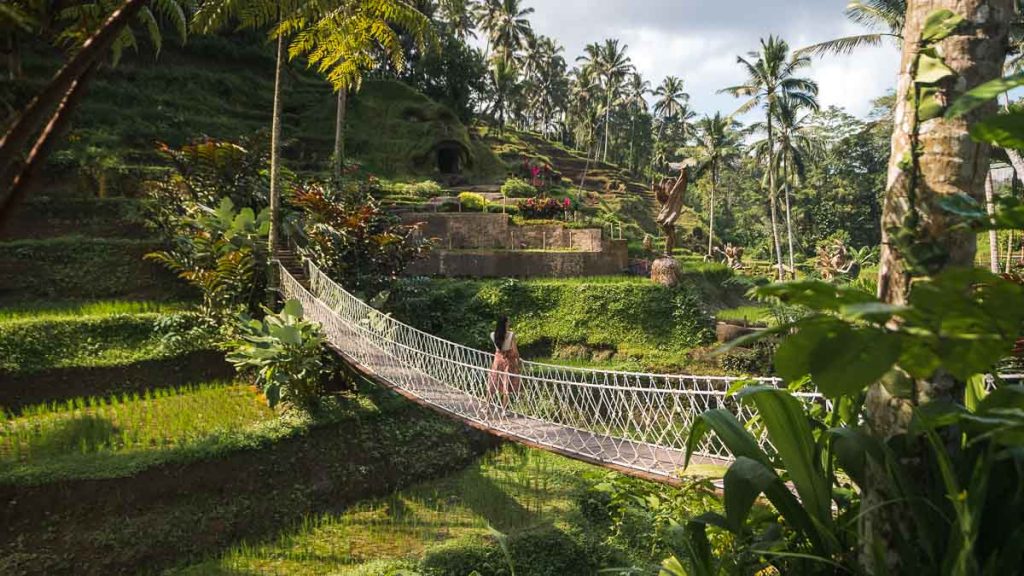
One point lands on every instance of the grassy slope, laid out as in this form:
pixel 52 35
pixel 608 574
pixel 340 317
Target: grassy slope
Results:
pixel 630 198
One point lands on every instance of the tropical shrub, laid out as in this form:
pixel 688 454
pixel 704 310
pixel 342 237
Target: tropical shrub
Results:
pixel 544 208
pixel 518 188
pixel 425 189
pixel 352 239
pixel 284 352
pixel 222 252
pixel 472 202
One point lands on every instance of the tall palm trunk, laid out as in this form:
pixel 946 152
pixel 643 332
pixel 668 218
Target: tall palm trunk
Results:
pixel 993 237
pixel 711 218
pixel 944 161
pixel 607 121
pixel 789 219
pixel 339 134
pixel 772 193
pixel 275 147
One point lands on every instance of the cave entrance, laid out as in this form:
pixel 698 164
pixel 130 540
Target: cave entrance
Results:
pixel 449 160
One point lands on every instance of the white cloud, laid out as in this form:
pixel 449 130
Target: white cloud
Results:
pixel 700 39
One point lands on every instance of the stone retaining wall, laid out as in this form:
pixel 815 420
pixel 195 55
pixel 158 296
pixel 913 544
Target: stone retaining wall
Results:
pixel 462 231
pixel 489 246
pixel 522 264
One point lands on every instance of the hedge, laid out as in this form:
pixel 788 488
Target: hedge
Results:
pixel 73 267
pixel 29 345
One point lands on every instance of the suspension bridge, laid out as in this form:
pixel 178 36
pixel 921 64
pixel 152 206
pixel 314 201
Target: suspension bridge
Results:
pixel 632 422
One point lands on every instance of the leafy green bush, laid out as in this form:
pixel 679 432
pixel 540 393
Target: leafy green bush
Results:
pixel 222 253
pixel 286 353
pixel 541 552
pixel 472 202
pixel 72 267
pixel 499 208
pixel 30 345
pixel 518 188
pixel 461 557
pixel 353 240
pixel 425 189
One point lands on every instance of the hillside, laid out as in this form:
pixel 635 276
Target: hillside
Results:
pixel 631 199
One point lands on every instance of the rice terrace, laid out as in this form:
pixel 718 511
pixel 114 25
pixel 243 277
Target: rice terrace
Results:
pixel 511 287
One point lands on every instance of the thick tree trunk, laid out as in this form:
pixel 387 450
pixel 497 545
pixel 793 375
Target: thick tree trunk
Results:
pixel 339 134
pixel 993 237
pixel 47 140
pixel 40 109
pixel 947 161
pixel 275 148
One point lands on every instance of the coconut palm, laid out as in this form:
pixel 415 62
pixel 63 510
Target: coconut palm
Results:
pixel 637 90
pixel 718 142
pixel 506 24
pixel 339 37
pixel 611 65
pixel 772 76
pixel 343 39
pixel 671 98
pixel 885 17
pixel 457 15
pixel 794 145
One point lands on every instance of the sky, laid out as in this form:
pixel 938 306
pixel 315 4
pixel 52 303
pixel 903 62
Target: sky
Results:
pixel 699 40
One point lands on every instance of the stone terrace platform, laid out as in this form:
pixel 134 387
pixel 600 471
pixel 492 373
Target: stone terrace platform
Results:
pixel 489 246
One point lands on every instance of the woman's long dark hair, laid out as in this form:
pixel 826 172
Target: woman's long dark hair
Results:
pixel 500 332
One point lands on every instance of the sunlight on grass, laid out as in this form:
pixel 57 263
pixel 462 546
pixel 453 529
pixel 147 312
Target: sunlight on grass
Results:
pixel 102 434
pixel 38 311
pixel 760 315
pixel 513 489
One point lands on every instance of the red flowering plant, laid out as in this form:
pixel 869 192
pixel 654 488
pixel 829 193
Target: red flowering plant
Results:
pixel 544 208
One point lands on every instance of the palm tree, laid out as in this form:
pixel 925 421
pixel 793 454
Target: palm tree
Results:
pixel 672 98
pixel 458 16
pixel 718 143
pixel 795 146
pixel 345 39
pixel 771 76
pixel 339 37
pixel 637 90
pixel 506 25
pixel 611 65
pixel 886 17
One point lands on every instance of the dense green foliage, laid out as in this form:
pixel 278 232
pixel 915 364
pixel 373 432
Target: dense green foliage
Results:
pixel 85 268
pixel 346 233
pixel 31 344
pixel 627 317
pixel 285 352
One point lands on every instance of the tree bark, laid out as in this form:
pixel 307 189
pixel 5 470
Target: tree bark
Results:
pixel 789 219
pixel 41 107
pixel 943 160
pixel 339 134
pixel 771 194
pixel 47 140
pixel 607 121
pixel 711 218
pixel 993 237
pixel 275 147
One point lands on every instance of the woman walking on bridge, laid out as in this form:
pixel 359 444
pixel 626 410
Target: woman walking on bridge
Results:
pixel 503 382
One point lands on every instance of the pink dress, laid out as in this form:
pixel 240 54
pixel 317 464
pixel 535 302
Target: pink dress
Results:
pixel 502 379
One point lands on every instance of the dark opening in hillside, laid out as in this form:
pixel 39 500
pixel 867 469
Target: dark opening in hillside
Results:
pixel 449 159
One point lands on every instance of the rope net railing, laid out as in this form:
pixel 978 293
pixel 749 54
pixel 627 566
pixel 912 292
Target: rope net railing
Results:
pixel 633 420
